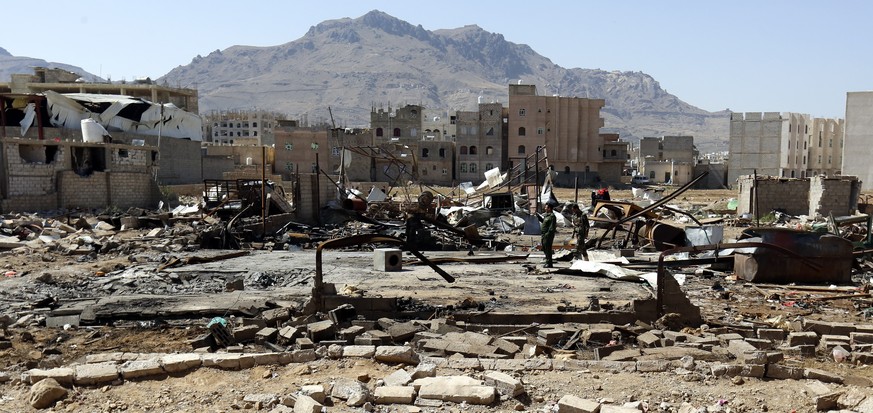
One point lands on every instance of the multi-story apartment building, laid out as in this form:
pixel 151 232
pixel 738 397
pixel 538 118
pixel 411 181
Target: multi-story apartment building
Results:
pixel 409 151
pixel 481 141
pixel 858 145
pixel 227 127
pixel 789 145
pixel 667 159
pixel 567 127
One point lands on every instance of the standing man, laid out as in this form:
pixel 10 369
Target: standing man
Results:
pixel 581 226
pixel 548 234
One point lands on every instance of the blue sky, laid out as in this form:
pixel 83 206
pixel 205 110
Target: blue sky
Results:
pixel 797 56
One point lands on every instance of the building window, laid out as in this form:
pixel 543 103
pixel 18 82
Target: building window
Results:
pixel 424 171
pixel 256 133
pixel 521 131
pixel 463 167
pixel 613 153
pixel 473 150
pixel 335 151
pixel 566 169
pixel 238 125
pixel 489 150
pixel 473 167
pixel 819 159
pixel 830 143
pixel 445 171
pixel 489 166
pixel 829 159
pixel 424 152
pixel 587 168
pixel 433 167
pixel 413 132
pixel 521 112
pixel 254 124
pixel 541 131
pixel 396 132
pixel 490 132
pixel 379 132
pixel 819 139
pixel 216 133
pixel 442 152
pixel 463 150
pixel 521 149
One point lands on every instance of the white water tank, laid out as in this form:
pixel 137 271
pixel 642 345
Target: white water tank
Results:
pixel 92 131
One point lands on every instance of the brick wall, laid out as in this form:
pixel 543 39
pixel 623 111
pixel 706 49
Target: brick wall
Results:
pixel 129 160
pixel 837 196
pixel 305 199
pixel 788 195
pixel 87 192
pixel 133 190
pixel 30 203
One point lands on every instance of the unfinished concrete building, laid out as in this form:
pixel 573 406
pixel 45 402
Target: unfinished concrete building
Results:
pixel 399 126
pixel 789 145
pixel 40 175
pixel 568 127
pixel 858 145
pixel 667 159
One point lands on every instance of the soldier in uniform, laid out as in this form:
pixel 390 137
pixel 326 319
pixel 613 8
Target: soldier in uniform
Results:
pixel 581 226
pixel 548 234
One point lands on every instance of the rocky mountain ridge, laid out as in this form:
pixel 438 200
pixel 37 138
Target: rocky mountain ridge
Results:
pixel 355 64
pixel 378 60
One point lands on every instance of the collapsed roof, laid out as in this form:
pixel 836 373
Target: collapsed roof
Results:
pixel 124 114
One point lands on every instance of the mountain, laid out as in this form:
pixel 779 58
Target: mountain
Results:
pixel 10 65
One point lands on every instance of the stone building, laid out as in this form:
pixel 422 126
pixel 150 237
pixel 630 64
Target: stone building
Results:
pixel 296 151
pixel 789 145
pixel 667 159
pixel 481 141
pixel 228 127
pixel 40 175
pixel 567 127
pixel 858 145
pixel 400 126
pixel 814 196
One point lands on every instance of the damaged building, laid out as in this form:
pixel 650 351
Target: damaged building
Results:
pixel 48 175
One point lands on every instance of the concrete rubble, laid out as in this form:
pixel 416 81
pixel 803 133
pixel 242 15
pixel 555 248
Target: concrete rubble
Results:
pixel 249 300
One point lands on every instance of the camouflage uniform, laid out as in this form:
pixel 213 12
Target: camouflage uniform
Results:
pixel 581 226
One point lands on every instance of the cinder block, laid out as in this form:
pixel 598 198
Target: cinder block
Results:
pixel 387 259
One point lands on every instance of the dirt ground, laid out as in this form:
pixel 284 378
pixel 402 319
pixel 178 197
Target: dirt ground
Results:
pixel 505 287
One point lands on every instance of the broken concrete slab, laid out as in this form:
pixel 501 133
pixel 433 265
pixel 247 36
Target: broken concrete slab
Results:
pixel 96 374
pixel 575 404
pixel 398 378
pixel 359 351
pixel 504 383
pixel 396 354
pixel 63 375
pixel 394 395
pixel 140 368
pixel 176 363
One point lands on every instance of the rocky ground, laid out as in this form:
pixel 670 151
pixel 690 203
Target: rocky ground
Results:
pixel 658 368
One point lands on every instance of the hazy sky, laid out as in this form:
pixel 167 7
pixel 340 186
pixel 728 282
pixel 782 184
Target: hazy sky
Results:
pixel 796 56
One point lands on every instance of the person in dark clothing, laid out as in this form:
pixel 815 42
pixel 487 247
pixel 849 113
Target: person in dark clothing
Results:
pixel 548 234
pixel 581 227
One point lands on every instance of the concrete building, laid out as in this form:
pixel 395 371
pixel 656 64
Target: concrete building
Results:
pixel 41 175
pixel 615 158
pixel 788 145
pixel 296 151
pixel 481 141
pixel 858 145
pixel 667 159
pixel 63 81
pixel 825 155
pixel 438 125
pixel 567 127
pixel 406 152
pixel 228 127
